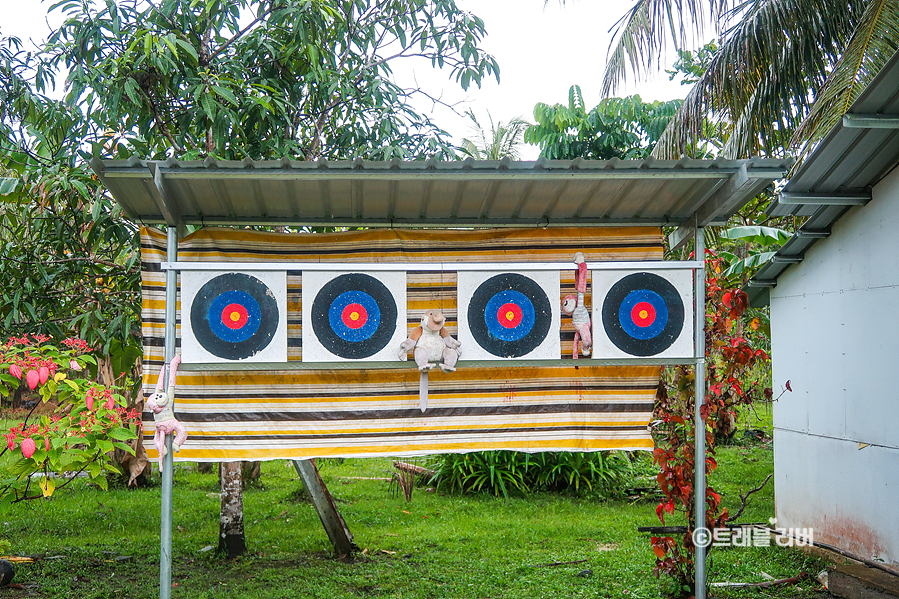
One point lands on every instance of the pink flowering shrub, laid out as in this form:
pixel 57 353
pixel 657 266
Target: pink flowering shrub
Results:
pixel 89 420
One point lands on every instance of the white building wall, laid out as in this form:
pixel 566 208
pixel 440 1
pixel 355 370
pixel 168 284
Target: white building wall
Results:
pixel 835 336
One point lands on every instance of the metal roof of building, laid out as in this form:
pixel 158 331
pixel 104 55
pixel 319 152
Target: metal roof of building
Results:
pixel 436 194
pixel 860 151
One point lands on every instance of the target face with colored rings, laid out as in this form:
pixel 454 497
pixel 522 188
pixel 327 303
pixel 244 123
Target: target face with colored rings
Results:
pixel 643 314
pixel 234 316
pixel 354 316
pixel 509 315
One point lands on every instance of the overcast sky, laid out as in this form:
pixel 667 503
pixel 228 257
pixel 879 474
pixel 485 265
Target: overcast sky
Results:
pixel 542 51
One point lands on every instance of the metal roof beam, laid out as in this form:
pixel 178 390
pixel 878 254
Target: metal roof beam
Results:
pixel 732 192
pixel 166 204
pixel 871 121
pixel 824 199
pixel 681 235
pixel 737 186
pixel 726 198
pixel 786 259
pixel 454 175
pixel 812 234
pixel 431 223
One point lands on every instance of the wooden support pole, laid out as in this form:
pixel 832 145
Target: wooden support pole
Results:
pixel 337 530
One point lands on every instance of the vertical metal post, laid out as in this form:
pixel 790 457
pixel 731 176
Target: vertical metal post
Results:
pixel 165 545
pixel 701 540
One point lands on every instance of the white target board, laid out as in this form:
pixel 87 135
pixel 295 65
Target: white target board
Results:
pixel 643 313
pixel 353 316
pixel 509 315
pixel 233 316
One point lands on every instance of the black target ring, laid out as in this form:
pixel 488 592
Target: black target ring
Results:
pixel 481 320
pixel 322 318
pixel 205 315
pixel 617 305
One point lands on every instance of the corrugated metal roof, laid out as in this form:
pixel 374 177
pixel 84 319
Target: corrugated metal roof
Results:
pixel 436 194
pixel 860 151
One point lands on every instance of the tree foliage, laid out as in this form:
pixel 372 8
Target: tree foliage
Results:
pixel 623 128
pixel 784 73
pixel 258 78
pixel 69 264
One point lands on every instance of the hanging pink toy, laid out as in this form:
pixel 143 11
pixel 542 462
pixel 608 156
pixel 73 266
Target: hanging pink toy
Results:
pixel 580 316
pixel 161 403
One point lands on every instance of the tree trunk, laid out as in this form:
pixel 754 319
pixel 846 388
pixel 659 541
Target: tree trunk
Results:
pixel 232 542
pixel 105 374
pixel 136 469
pixel 251 471
pixel 17 397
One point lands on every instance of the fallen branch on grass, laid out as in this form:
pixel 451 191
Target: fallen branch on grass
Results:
pixel 552 564
pixel 764 585
pixel 413 469
pixel 743 498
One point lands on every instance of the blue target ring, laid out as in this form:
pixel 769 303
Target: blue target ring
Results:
pixel 372 316
pixel 625 314
pixel 493 319
pixel 226 333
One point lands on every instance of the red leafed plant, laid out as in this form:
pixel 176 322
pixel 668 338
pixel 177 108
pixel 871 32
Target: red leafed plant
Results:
pixel 86 422
pixel 731 363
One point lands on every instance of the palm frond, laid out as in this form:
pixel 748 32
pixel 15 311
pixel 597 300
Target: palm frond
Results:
pixel 501 141
pixel 760 79
pixel 640 36
pixel 873 43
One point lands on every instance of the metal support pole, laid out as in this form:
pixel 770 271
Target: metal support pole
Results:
pixel 700 538
pixel 165 544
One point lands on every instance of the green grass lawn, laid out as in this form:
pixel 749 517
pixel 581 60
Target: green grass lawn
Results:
pixel 436 546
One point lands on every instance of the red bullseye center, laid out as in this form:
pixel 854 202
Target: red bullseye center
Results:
pixel 643 314
pixel 234 316
pixel 509 315
pixel 354 316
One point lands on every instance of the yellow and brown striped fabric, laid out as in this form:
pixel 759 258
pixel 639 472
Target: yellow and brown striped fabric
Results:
pixel 298 414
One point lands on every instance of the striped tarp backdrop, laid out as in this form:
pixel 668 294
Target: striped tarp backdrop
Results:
pixel 299 414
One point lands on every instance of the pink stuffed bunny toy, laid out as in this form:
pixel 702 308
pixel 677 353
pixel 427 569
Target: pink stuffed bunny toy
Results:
pixel 161 404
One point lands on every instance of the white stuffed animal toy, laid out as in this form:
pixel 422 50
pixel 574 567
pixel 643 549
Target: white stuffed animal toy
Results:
pixel 161 403
pixel 434 347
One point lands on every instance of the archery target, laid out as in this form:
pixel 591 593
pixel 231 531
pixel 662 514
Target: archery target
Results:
pixel 509 315
pixel 350 316
pixel 234 316
pixel 643 314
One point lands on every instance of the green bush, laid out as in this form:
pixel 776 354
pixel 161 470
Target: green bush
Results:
pixel 509 472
